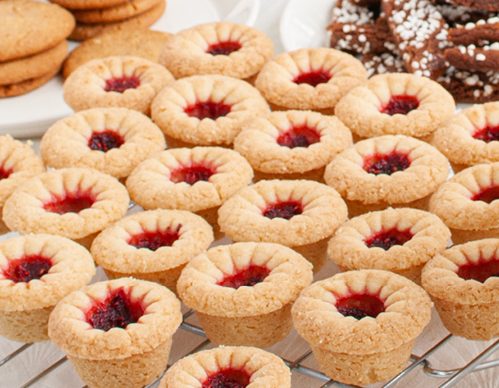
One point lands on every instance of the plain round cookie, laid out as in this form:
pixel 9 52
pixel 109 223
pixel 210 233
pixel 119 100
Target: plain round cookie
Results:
pixel 37 271
pixel 393 170
pixel 292 143
pixel 22 32
pixel 471 136
pixel 262 369
pixel 224 48
pixel 87 4
pixel 71 202
pixel 34 66
pixel 116 13
pixel 314 79
pixel 400 240
pixel 119 81
pixel 137 42
pixel 23 87
pixel 84 31
pixel 390 104
pixel 206 109
pixel 111 140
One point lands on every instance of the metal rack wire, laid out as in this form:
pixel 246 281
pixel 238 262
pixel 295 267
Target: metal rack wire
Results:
pixel 452 376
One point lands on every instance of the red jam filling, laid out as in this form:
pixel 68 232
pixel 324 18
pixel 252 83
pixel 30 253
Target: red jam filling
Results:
pixel 402 104
pixel 71 203
pixel 122 83
pixel 192 174
pixel 388 238
pixel 117 310
pixel 285 209
pixel 302 136
pixel 27 268
pixel 360 306
pixel 313 78
pixel 250 276
pixel 208 110
pixel 487 195
pixel 5 173
pixel 386 163
pixel 487 134
pixel 105 140
pixel 228 378
pixel 155 240
pixel 223 48
pixel 480 271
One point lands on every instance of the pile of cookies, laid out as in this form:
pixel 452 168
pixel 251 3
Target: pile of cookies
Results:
pixel 453 42
pixel 31 53
pixel 96 16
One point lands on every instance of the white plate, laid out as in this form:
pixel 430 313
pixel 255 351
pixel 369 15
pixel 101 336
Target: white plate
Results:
pixel 304 23
pixel 31 114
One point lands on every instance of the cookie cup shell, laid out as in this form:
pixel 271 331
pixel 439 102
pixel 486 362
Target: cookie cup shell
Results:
pixel 456 141
pixel 257 315
pixel 241 216
pixel 365 191
pixel 369 350
pixel 258 143
pixel 349 250
pixel 85 88
pixel 469 219
pixel 360 109
pixel 276 80
pixel 24 210
pixel 129 357
pixel 20 160
pixel 266 370
pixel 119 258
pixel 25 306
pixel 169 109
pixel 66 143
pixel 187 53
pixel 467 307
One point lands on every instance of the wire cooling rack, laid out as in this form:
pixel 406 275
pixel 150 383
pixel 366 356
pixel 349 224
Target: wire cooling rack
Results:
pixel 449 377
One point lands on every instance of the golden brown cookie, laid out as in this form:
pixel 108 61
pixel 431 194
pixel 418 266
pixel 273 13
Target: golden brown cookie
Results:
pixel 87 4
pixel 34 66
pixel 142 43
pixel 85 31
pixel 16 89
pixel 22 32
pixel 116 13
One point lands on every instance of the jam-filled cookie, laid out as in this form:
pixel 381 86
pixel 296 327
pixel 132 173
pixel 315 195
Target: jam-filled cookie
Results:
pixel 224 48
pixel 36 272
pixel 117 333
pixel 243 293
pixel 299 214
pixel 152 245
pixel 228 366
pixel 111 140
pixel 399 240
pixel 469 203
pixel 390 104
pixel 362 325
pixel 206 110
pixel 292 144
pixel 312 79
pixel 397 171
pixel 76 203
pixel 471 136
pixel 120 81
